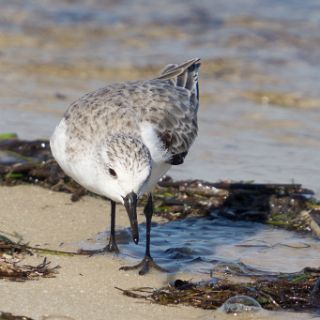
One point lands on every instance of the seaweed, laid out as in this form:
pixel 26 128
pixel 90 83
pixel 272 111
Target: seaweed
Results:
pixel 297 292
pixel 287 206
pixel 14 272
pixel 12 253
pixel 10 316
pixel 7 135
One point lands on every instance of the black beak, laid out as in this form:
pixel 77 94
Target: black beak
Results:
pixel 130 203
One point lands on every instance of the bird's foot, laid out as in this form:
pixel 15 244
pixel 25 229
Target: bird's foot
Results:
pixel 110 248
pixel 146 264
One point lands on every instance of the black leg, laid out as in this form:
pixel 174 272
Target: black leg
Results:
pixel 148 212
pixel 112 246
pixel 147 261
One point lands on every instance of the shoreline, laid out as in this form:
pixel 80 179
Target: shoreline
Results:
pixel 84 287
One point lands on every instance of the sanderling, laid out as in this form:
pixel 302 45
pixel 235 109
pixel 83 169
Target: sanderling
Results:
pixel 118 141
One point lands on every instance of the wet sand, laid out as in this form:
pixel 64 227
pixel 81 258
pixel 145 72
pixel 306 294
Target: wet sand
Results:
pixel 84 288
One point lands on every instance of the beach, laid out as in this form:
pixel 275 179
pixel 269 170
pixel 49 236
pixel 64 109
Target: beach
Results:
pixel 84 287
pixel 258 124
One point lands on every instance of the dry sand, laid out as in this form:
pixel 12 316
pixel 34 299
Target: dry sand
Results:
pixel 85 286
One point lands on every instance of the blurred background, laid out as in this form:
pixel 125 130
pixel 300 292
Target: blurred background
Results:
pixel 259 114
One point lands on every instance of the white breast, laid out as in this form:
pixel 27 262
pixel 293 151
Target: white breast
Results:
pixel 82 168
pixel 58 145
pixel 158 154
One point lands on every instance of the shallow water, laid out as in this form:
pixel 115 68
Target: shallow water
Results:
pixel 199 245
pixel 251 50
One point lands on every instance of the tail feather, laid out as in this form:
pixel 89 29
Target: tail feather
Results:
pixel 184 75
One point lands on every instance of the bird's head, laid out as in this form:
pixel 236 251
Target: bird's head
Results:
pixel 126 163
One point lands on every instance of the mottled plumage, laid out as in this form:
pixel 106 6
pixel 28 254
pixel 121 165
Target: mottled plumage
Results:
pixel 121 107
pixel 120 139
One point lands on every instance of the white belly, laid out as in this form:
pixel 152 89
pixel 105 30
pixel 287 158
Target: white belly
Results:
pixel 158 171
pixel 82 167
pixel 158 155
pixel 58 146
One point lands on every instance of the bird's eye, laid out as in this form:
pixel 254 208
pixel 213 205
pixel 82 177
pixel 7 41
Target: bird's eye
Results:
pixel 112 172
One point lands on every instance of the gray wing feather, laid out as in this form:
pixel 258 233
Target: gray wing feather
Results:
pixel 173 109
pixel 169 103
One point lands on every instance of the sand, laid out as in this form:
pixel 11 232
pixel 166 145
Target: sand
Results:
pixel 84 288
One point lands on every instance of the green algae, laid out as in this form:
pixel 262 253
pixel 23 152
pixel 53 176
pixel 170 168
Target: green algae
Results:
pixel 6 136
pixel 54 252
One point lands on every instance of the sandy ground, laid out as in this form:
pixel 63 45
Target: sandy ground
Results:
pixel 85 287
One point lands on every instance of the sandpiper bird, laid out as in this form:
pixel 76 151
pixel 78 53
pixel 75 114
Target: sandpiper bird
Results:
pixel 118 141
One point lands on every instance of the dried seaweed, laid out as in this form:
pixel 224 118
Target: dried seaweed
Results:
pixel 11 255
pixel 10 270
pixel 299 292
pixel 10 316
pixel 7 246
pixel 288 206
